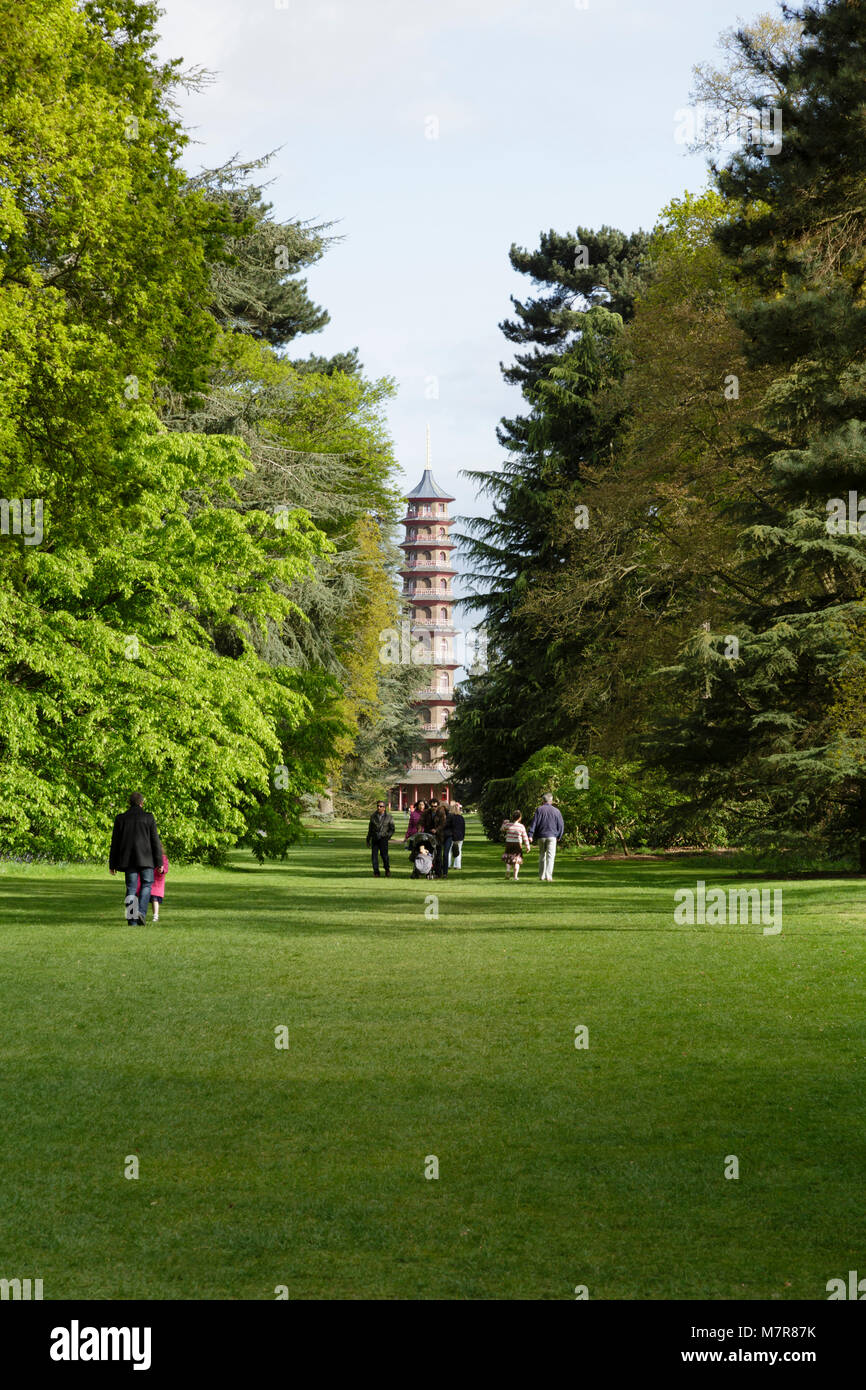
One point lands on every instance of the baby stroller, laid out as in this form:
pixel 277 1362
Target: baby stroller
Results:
pixel 422 849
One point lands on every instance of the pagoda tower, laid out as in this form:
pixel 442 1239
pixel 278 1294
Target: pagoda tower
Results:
pixel 428 572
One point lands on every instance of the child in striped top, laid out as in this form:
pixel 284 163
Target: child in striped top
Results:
pixel 516 840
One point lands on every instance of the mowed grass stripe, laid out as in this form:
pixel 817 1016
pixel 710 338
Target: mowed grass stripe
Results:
pixel 410 1037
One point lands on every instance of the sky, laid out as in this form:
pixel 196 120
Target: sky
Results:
pixel 435 134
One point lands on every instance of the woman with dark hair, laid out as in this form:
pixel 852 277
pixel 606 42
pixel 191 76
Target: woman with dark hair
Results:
pixel 416 819
pixel 516 840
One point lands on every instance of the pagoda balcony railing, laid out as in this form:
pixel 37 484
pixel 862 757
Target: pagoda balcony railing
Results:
pixel 430 565
pixel 428 622
pixel 428 540
pixel 433 694
pixel 427 543
pixel 434 730
pixel 418 769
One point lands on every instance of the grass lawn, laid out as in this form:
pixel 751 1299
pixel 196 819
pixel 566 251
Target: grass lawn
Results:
pixel 411 1037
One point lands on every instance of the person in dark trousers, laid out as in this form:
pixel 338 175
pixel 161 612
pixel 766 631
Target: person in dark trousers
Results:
pixel 136 849
pixel 548 828
pixel 435 818
pixel 458 834
pixel 447 839
pixel 379 832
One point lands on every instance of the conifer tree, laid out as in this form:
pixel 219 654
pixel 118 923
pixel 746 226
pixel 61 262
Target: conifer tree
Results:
pixel 506 713
pixel 759 728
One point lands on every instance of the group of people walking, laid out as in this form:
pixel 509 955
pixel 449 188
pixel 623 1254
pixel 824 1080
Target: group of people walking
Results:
pixel 436 830
pixel 434 838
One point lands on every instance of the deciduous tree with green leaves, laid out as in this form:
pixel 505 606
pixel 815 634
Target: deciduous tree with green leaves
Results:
pixel 127 644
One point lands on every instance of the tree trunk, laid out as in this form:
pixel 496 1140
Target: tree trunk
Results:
pixel 621 838
pixel 861 824
pixel 326 803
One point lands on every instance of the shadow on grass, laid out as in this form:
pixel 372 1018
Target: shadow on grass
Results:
pixel 584 898
pixel 305 916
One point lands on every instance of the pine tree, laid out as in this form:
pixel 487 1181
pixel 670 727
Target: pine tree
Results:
pixel 759 728
pixel 576 331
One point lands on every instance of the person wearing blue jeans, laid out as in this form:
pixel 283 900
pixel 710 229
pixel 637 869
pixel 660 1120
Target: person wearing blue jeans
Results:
pixel 138 904
pixel 136 849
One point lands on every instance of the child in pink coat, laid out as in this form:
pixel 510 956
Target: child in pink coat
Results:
pixel 157 892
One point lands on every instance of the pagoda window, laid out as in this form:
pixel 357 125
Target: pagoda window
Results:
pixel 443 613
pixel 428 584
pixel 442 530
pixel 428 558
pixel 443 557
pixel 443 583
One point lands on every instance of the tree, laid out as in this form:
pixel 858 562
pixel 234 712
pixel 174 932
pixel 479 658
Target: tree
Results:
pixel 651 564
pixel 583 268
pixel 514 550
pixel 761 727
pixel 730 90
pixel 126 629
pixel 603 801
pixel 316 438
pixel 256 288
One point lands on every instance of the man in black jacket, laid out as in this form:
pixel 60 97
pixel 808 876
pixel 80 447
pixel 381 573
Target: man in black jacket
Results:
pixel 136 849
pixel 379 832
